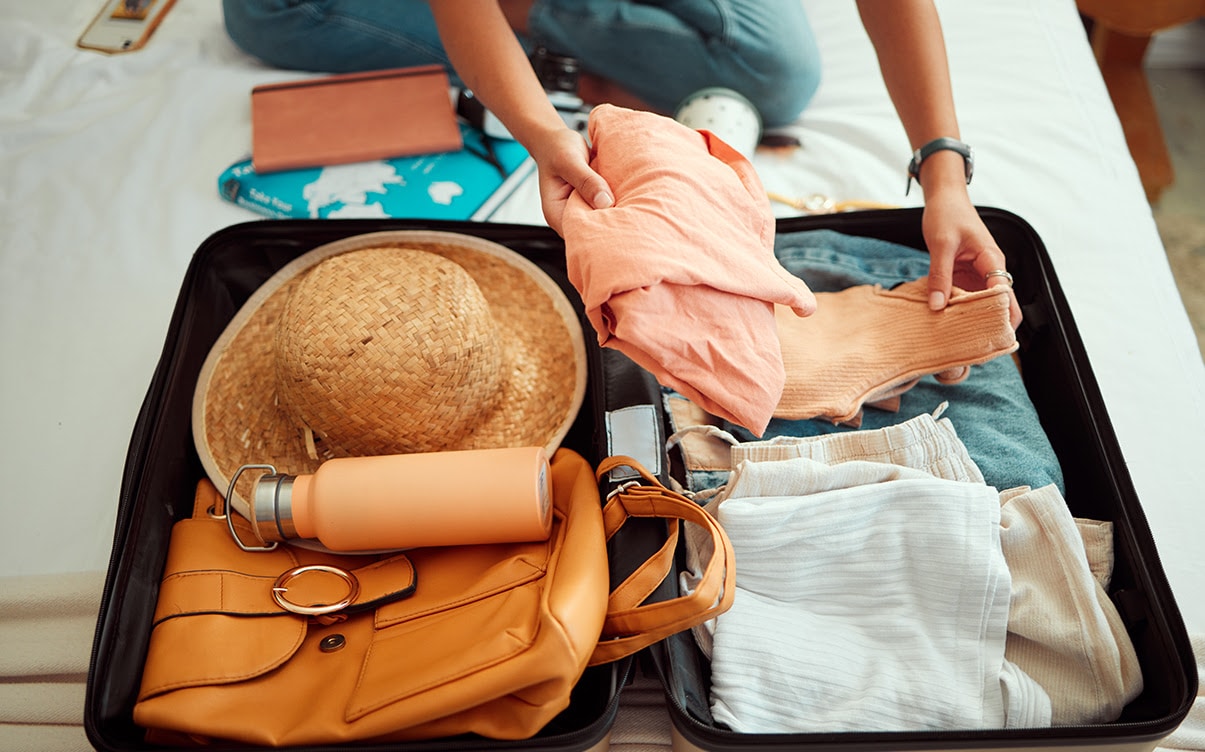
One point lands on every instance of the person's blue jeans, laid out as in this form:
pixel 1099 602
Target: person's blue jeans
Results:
pixel 660 50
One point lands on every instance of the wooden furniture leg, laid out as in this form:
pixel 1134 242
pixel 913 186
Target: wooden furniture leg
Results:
pixel 1120 58
pixel 1121 33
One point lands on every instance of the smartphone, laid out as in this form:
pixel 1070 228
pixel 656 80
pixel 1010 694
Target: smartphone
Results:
pixel 124 25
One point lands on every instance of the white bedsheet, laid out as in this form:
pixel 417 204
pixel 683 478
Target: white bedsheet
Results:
pixel 108 169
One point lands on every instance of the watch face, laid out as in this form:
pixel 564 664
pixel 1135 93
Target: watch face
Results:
pixel 725 113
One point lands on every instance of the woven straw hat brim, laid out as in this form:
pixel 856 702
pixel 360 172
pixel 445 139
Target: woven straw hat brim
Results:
pixel 237 418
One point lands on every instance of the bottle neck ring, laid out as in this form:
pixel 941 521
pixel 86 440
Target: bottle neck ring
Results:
pixel 272 506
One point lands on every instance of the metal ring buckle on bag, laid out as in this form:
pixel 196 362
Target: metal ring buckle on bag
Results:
pixel 279 588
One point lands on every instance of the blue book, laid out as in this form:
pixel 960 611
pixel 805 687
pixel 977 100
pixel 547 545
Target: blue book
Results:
pixel 458 185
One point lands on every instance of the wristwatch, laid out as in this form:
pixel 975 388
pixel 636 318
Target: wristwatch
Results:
pixel 939 144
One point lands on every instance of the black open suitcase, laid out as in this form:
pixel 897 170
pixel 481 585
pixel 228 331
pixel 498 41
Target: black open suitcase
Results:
pixel 622 415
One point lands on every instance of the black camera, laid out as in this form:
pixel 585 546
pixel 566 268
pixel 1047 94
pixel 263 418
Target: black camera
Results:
pixel 558 74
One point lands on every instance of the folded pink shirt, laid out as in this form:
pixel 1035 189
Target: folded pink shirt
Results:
pixel 680 273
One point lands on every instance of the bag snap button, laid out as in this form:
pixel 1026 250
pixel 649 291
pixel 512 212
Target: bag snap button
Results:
pixel 331 643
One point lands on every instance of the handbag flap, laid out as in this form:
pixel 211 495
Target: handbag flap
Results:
pixel 191 648
pixel 216 618
pixel 206 649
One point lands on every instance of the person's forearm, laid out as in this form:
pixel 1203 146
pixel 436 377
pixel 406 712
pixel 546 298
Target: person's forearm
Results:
pixel 492 64
pixel 908 40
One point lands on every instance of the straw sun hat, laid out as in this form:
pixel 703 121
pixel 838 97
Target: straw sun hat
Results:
pixel 390 343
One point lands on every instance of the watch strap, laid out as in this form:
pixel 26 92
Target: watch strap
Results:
pixel 943 143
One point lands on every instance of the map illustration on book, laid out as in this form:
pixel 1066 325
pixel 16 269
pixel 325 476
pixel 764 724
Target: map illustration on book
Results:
pixel 458 185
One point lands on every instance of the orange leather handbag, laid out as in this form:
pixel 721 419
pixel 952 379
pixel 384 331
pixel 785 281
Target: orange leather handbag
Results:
pixel 296 646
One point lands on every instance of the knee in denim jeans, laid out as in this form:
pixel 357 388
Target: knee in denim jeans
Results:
pixel 784 81
pixel 335 36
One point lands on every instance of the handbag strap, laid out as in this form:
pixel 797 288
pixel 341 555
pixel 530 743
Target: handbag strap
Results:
pixel 630 624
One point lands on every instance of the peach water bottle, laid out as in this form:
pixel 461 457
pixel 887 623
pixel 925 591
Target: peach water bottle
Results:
pixel 410 500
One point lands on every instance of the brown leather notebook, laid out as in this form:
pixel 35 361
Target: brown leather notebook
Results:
pixel 352 117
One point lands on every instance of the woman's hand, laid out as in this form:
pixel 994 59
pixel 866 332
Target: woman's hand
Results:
pixel 492 64
pixel 562 158
pixel 961 250
pixel 908 40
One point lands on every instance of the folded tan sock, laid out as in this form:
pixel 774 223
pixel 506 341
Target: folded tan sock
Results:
pixel 866 343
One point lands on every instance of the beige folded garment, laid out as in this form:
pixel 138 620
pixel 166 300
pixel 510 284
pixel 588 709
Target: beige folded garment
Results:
pixel 1063 630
